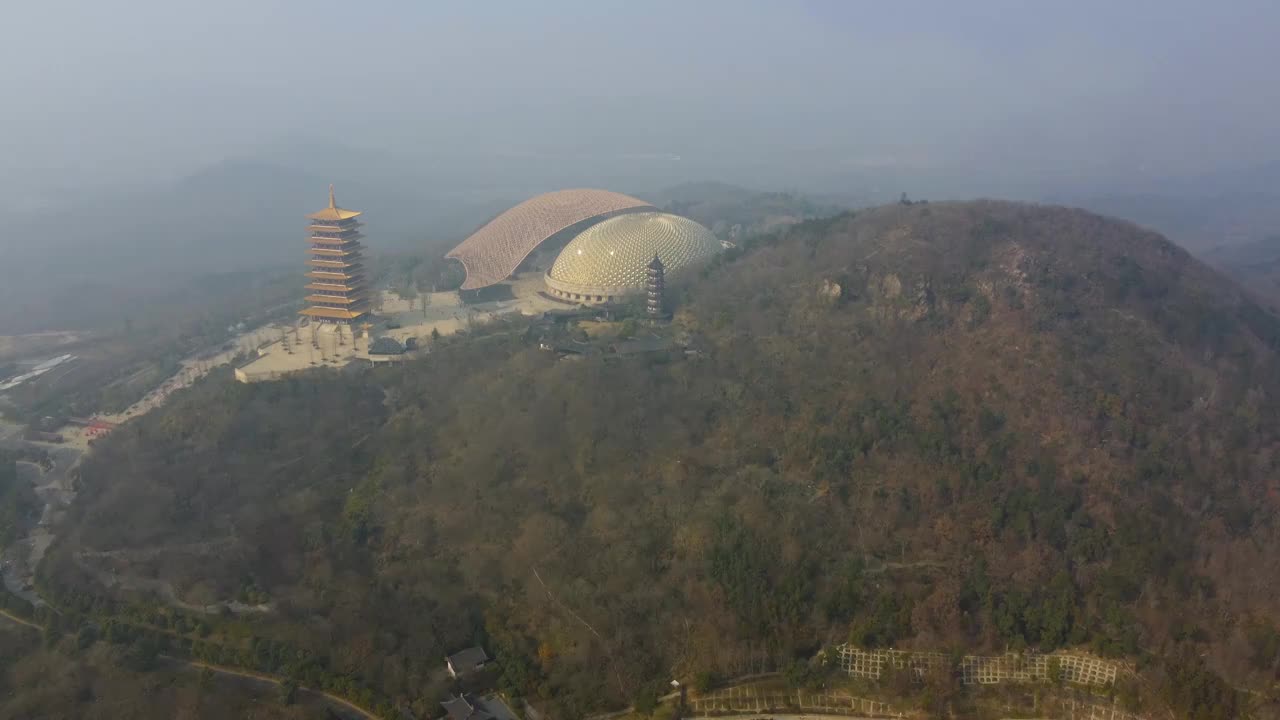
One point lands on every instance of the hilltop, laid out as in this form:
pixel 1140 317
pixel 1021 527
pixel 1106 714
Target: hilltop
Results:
pixel 966 426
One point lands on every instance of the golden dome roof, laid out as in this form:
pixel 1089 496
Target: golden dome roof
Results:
pixel 613 256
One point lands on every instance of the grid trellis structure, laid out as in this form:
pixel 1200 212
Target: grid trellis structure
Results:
pixel 996 669
pixel 983 669
pixel 755 700
pixel 871 663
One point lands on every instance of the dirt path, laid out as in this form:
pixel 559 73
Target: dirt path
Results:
pixel 222 669
pixel 8 615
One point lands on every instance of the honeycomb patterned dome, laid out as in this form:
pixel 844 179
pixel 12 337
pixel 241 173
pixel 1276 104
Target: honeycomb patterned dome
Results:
pixel 612 257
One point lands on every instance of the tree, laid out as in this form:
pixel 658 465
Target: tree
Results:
pixel 141 655
pixel 1196 692
pixel 288 692
pixel 941 690
pixel 646 701
pixel 1055 671
pixel 799 674
pixel 900 681
pixel 86 636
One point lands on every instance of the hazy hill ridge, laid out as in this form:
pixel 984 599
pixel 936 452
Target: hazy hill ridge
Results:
pixel 972 425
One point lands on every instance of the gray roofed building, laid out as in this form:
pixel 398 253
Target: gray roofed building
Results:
pixel 568 347
pixel 467 707
pixel 462 708
pixel 465 661
pixel 386 346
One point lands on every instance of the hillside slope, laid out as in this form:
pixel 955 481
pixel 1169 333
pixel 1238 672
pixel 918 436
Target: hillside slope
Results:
pixel 961 426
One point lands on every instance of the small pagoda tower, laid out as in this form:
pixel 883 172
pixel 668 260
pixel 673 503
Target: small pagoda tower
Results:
pixel 657 286
pixel 337 290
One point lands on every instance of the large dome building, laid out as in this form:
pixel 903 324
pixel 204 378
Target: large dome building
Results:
pixel 494 252
pixel 610 260
pixel 596 244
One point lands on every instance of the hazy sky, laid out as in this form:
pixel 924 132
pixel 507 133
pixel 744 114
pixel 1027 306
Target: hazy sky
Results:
pixel 150 89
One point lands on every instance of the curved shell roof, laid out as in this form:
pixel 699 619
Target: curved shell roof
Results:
pixel 616 253
pixel 493 252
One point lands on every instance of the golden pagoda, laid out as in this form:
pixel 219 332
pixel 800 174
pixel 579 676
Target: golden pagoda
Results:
pixel 337 290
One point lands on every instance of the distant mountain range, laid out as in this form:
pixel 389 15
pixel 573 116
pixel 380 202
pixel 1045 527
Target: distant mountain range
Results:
pixel 247 214
pixel 1199 212
pixel 241 215
pixel 1254 264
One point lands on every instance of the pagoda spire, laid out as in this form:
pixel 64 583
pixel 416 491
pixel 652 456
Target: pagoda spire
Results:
pixel 332 203
pixel 656 287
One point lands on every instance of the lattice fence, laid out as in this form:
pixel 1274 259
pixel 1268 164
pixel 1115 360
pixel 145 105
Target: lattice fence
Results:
pixel 1076 710
pixel 871 663
pixel 980 669
pixel 755 700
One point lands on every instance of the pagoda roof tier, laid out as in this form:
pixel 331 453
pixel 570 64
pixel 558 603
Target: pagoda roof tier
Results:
pixel 338 258
pixel 353 292
pixel 332 263
pixel 337 299
pixel 353 237
pixel 350 231
pixel 334 313
pixel 333 212
pixel 349 248
pixel 348 284
pixel 337 275
pixel 346 227
pixel 349 228
pixel 341 249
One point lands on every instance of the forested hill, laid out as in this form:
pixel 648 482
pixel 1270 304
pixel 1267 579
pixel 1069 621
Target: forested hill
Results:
pixel 950 426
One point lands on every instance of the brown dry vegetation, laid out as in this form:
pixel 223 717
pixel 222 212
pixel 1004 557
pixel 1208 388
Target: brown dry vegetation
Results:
pixel 98 683
pixel 974 426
